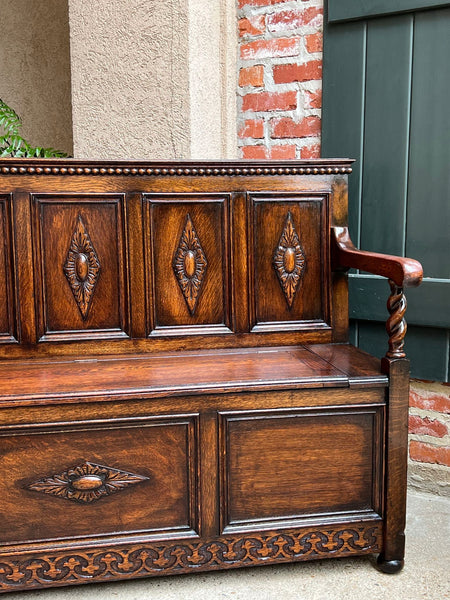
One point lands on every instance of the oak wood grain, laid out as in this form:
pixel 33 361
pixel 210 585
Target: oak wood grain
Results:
pixel 176 388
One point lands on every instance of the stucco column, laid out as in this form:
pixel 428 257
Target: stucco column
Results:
pixel 212 83
pixel 149 79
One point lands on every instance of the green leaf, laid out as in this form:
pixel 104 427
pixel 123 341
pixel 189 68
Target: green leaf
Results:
pixel 13 145
pixel 16 142
pixel 9 119
pixel 52 153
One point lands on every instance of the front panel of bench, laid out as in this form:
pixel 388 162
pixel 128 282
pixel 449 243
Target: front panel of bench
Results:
pixel 213 471
pixel 91 479
pixel 275 473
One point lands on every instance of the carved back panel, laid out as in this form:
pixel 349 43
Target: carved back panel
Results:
pixel 80 264
pixel 187 259
pixel 120 257
pixel 291 263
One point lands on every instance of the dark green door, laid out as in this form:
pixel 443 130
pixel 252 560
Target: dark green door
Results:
pixel 387 104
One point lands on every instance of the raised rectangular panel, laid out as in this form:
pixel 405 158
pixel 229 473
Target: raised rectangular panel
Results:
pixel 80 262
pixel 83 480
pixel 290 262
pixel 7 287
pixel 282 467
pixel 187 263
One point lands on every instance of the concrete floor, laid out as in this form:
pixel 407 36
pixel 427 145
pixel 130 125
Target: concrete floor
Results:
pixel 426 574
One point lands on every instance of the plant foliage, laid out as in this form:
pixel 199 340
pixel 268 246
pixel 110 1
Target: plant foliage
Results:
pixel 12 144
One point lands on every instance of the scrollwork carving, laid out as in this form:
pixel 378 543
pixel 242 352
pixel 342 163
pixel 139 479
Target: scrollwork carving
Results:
pixel 59 568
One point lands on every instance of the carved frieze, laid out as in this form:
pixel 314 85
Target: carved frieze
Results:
pixel 103 564
pixel 86 483
pixel 82 268
pixel 289 261
pixel 189 265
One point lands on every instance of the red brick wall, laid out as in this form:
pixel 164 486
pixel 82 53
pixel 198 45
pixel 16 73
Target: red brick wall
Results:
pixel 429 436
pixel 280 78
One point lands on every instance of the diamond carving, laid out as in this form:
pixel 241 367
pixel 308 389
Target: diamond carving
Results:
pixel 82 268
pixel 86 483
pixel 189 265
pixel 289 261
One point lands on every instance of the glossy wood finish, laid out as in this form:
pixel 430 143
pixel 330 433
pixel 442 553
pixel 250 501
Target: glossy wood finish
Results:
pixel 391 558
pixel 134 227
pixel 189 237
pixel 270 456
pixel 7 287
pixel 147 450
pixel 165 375
pixel 87 297
pixel 177 390
pixel 404 272
pixel 290 285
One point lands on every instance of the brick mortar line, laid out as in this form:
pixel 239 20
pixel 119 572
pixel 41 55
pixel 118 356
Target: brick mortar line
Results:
pixel 247 9
pixel 443 442
pixel 433 415
pixel 443 468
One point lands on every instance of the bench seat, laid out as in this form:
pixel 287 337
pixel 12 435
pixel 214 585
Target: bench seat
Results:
pixel 196 372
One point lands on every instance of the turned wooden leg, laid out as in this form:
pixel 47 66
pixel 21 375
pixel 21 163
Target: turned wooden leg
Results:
pixel 392 555
pixel 397 368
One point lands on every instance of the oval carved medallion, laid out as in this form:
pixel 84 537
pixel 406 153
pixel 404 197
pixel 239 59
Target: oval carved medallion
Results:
pixel 189 265
pixel 289 261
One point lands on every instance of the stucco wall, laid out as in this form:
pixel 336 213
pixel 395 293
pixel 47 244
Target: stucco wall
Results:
pixel 35 69
pixel 150 80
pixel 129 78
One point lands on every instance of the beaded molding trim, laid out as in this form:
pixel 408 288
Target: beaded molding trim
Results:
pixel 171 171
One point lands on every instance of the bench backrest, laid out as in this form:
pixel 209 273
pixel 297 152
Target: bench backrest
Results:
pixel 102 257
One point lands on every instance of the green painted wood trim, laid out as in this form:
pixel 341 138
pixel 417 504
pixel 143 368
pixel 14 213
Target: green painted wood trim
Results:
pixel 346 10
pixel 343 106
pixel 428 210
pixel 428 305
pixel 386 134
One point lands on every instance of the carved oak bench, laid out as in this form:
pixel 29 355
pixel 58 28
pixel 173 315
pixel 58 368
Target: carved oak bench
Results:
pixel 177 389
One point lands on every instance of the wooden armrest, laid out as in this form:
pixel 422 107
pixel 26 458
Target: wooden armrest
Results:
pixel 404 272
pixel 401 272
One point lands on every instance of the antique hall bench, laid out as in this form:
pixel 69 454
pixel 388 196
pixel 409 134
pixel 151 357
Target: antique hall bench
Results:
pixel 177 391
